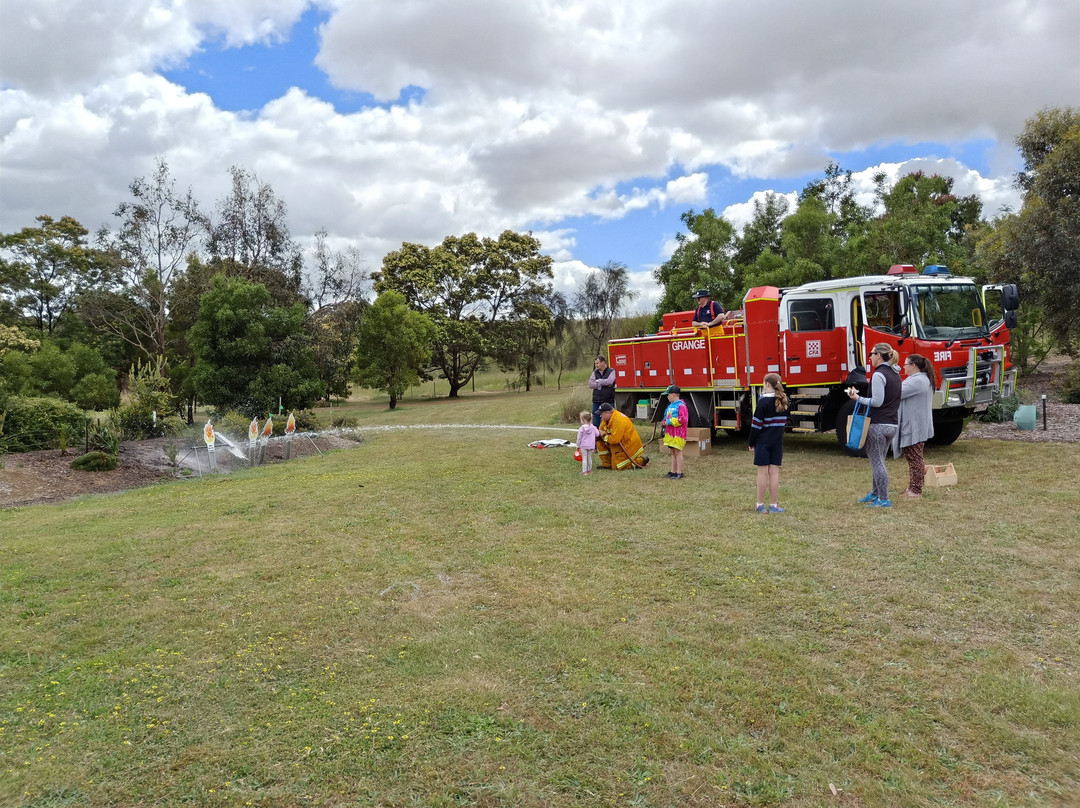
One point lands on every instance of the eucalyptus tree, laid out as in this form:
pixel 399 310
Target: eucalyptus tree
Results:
pixel 808 249
pixel 702 259
pixel 601 299
pixel 335 285
pixel 160 228
pixel 468 286
pixel 1044 239
pixel 249 238
pixel 763 232
pixel 922 222
pixel 44 269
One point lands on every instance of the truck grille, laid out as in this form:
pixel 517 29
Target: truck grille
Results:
pixel 979 386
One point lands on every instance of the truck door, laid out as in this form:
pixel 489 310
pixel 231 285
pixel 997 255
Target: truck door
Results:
pixel 814 348
pixel 858 352
pixel 999 300
pixel 881 320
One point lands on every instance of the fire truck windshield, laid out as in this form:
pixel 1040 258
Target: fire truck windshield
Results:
pixel 949 311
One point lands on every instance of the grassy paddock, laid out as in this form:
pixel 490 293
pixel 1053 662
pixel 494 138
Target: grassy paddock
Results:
pixel 486 381
pixel 448 618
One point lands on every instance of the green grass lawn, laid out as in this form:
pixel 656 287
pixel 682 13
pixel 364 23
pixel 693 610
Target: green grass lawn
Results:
pixel 446 617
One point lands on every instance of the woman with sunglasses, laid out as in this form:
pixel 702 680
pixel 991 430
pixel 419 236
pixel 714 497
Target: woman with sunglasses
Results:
pixel 916 419
pixel 885 389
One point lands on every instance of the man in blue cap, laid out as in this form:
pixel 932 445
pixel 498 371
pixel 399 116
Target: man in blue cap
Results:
pixel 708 312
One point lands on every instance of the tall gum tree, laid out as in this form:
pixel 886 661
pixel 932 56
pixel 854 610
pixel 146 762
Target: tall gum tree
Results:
pixel 335 285
pixel 601 298
pixel 159 229
pixel 702 259
pixel 249 238
pixel 44 269
pixel 1044 239
pixel 468 286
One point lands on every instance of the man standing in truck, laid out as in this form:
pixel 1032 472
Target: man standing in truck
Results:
pixel 708 312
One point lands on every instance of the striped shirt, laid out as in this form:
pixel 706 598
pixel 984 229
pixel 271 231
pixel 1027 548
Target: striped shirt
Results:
pixel 767 425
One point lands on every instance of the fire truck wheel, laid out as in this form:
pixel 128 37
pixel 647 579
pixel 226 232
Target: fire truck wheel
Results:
pixel 946 432
pixel 846 409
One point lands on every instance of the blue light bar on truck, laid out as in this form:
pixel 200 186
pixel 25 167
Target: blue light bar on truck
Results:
pixel 936 269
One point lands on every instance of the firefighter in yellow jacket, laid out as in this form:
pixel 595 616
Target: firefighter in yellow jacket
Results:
pixel 619 445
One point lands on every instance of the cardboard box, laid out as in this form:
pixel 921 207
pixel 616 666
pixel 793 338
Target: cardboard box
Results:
pixel 939 476
pixel 698 443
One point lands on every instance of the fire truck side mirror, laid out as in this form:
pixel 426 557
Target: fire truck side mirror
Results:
pixel 1011 319
pixel 1010 297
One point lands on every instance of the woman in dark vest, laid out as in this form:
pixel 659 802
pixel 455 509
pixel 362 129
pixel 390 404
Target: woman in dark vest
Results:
pixel 885 389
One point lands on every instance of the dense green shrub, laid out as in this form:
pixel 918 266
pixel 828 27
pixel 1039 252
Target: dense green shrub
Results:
pixel 250 353
pixel 95 391
pixel 1001 410
pixel 306 421
pixel 233 424
pixel 53 371
pixel 345 421
pixel 35 423
pixel 95 461
pixel 77 374
pixel 15 373
pixel 151 402
pixel 102 438
pixel 1070 389
pixel 172 425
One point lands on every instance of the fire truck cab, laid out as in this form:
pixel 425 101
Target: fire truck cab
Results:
pixel 817 337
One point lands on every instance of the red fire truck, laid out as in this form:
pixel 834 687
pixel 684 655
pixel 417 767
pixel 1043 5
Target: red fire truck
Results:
pixel 817 336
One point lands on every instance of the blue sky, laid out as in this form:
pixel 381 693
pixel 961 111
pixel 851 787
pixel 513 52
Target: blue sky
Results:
pixel 246 78
pixel 593 124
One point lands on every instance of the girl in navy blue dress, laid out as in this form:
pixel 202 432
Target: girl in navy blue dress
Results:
pixel 767 441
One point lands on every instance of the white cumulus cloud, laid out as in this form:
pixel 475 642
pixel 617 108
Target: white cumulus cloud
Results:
pixel 545 115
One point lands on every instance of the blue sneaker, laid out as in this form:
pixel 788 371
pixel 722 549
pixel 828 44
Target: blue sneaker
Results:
pixel 868 498
pixel 760 509
pixel 879 503
pixel 775 509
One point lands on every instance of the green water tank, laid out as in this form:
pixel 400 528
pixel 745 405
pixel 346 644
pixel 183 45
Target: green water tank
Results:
pixel 1025 417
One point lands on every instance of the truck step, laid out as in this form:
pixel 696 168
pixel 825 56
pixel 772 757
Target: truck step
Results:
pixel 803 429
pixel 802 412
